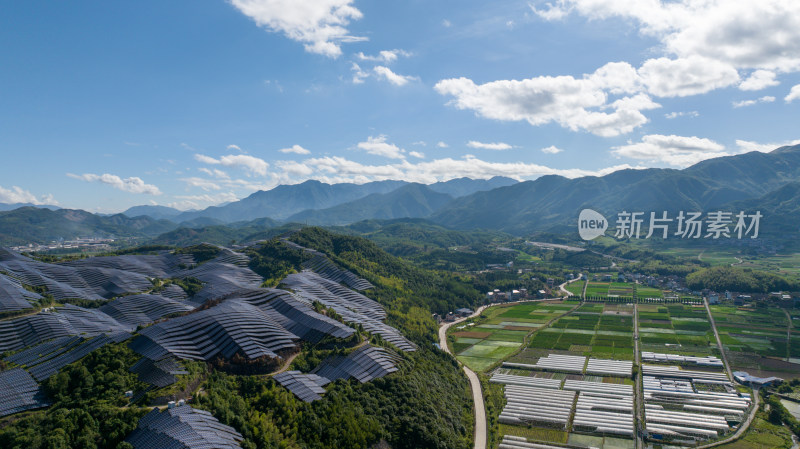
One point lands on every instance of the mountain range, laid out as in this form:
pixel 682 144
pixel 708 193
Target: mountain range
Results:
pixel 769 182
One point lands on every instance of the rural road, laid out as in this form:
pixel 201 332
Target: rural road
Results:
pixel 719 342
pixel 477 394
pixel 744 426
pixel 561 287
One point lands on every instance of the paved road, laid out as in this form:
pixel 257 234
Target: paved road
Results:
pixel 477 394
pixel 639 392
pixel 719 342
pixel 744 426
pixel 561 287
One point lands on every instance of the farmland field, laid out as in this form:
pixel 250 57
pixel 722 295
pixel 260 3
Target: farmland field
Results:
pixel 500 331
pixel 755 340
pixel 605 331
pixel 676 328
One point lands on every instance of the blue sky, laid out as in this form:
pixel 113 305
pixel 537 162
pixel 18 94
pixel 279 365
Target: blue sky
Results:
pixel 106 105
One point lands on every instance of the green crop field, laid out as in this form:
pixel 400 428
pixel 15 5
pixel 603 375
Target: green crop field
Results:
pixel 676 328
pixel 760 332
pixel 500 331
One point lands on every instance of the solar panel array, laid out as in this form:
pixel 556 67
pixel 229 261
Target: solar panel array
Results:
pixel 364 364
pixel 19 392
pixel 138 310
pixel 13 296
pixel 323 266
pixel 183 427
pixel 294 315
pixel 223 276
pixel 49 364
pixel 223 330
pixel 164 265
pixel 352 306
pixel 307 387
pixel 93 278
pixel 63 321
pixel 158 373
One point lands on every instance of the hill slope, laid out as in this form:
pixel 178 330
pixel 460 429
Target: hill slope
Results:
pixel 30 224
pixel 410 201
pixel 552 202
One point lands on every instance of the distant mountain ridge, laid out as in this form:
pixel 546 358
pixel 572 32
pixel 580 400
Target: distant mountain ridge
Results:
pixel 410 201
pixel 37 225
pixel 552 202
pixel 284 201
pixel 769 182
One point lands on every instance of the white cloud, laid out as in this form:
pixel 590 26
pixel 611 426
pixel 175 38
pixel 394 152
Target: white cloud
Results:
pixel 687 76
pixel 249 163
pixel 748 34
pixel 321 25
pixel 359 75
pixel 295 149
pixel 441 144
pixel 416 154
pixel 760 79
pixel 746 146
pixel 743 103
pixel 446 23
pixel 214 172
pixel 385 56
pixel 394 78
pixel 675 114
pixel 133 184
pixel 18 195
pixel 674 150
pixel 379 147
pixel 498 146
pixel 198 201
pixel 794 94
pixel 202 183
pixel 552 149
pixel 234 147
pixel 295 168
pixel 574 103
pixel 338 169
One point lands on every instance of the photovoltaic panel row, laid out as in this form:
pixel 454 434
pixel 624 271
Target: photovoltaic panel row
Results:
pixel 63 321
pixel 364 364
pixel 138 310
pixel 45 351
pixel 310 287
pixel 322 265
pixel 183 427
pixel 158 373
pixel 307 387
pixel 13 296
pixel 294 315
pixel 231 327
pixel 65 281
pixel 19 392
pixel 164 265
pixel 44 370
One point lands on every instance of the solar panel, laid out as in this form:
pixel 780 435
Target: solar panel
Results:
pixel 231 327
pixel 19 392
pixel 183 427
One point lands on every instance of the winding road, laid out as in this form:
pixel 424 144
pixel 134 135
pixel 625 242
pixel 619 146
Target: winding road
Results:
pixel 477 393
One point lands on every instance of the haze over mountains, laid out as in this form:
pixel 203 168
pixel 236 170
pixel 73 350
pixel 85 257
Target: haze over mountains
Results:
pixel 769 182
